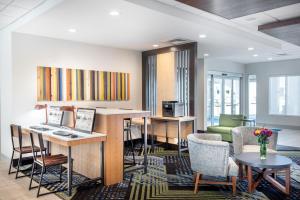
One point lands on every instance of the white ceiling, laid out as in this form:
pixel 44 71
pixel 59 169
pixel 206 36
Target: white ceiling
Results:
pixel 142 23
pixel 12 10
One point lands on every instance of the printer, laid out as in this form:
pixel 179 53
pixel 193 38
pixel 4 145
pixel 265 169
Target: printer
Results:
pixel 172 109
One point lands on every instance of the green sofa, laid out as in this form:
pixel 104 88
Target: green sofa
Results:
pixel 226 124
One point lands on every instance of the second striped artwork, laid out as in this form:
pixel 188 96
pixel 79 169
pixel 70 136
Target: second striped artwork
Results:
pixel 90 85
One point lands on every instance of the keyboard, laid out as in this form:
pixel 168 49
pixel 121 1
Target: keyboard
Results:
pixel 40 128
pixel 62 133
pixel 65 134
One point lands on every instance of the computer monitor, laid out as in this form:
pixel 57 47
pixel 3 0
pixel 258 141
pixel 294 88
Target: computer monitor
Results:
pixel 85 118
pixel 55 116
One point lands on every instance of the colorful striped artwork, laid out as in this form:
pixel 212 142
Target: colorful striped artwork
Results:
pixel 49 84
pixel 92 85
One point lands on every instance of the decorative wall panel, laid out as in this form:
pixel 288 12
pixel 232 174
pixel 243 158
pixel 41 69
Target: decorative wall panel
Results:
pixel 49 84
pixel 92 85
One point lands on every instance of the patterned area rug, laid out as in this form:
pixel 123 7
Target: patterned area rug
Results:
pixel 170 177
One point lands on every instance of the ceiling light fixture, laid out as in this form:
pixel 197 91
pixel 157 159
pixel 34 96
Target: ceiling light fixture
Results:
pixel 72 30
pixel 202 36
pixel 250 48
pixel 206 54
pixel 255 55
pixel 155 45
pixel 270 58
pixel 114 13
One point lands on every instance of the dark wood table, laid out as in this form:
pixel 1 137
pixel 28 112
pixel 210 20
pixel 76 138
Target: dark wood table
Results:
pixel 266 169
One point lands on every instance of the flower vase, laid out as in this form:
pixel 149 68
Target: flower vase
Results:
pixel 263 150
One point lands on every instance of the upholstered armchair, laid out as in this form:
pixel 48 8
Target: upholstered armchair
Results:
pixel 244 140
pixel 209 156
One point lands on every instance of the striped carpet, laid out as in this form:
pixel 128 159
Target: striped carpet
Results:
pixel 170 177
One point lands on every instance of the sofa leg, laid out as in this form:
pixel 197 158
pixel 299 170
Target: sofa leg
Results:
pixel 233 179
pixel 197 180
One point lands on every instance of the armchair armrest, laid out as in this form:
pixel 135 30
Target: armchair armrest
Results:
pixel 208 136
pixel 237 141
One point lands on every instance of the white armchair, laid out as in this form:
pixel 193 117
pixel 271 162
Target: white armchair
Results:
pixel 210 156
pixel 244 140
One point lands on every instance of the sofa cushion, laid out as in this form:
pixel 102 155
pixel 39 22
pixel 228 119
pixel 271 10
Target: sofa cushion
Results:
pixel 231 120
pixel 255 149
pixel 219 129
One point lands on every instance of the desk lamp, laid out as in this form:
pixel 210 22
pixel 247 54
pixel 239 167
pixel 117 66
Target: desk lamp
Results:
pixel 40 107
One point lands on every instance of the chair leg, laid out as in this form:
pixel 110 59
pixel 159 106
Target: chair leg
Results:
pixel 132 147
pixel 233 179
pixel 11 162
pixel 61 171
pixel 19 163
pixel 31 176
pixel 40 182
pixel 197 182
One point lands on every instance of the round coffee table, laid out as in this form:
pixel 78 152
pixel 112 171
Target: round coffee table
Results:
pixel 266 169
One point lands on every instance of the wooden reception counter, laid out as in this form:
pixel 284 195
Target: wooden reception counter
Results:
pixel 111 122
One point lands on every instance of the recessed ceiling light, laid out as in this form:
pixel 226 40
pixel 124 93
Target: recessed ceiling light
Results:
pixel 270 58
pixel 155 45
pixel 255 55
pixel 114 13
pixel 202 36
pixel 72 30
pixel 250 48
pixel 206 54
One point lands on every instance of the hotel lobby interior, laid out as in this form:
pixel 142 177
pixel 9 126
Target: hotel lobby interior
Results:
pixel 149 99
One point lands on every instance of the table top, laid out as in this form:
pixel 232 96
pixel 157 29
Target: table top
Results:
pixel 273 161
pixel 82 138
pixel 182 119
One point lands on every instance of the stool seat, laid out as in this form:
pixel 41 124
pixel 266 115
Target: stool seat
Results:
pixel 52 160
pixel 28 149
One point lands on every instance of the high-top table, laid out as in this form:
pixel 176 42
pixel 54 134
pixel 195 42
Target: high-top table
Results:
pixel 69 143
pixel 111 122
pixel 182 131
pixel 266 170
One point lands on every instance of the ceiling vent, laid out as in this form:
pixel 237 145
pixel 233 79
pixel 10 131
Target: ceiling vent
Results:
pixel 177 41
pixel 281 54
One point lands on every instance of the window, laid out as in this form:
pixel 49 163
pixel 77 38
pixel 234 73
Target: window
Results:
pixel 284 95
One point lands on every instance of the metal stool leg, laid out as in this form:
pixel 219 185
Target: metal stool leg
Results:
pixel 19 163
pixel 61 171
pixel 31 177
pixel 40 182
pixel 132 146
pixel 11 162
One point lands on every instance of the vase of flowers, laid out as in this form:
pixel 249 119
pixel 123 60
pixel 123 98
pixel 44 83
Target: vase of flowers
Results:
pixel 262 135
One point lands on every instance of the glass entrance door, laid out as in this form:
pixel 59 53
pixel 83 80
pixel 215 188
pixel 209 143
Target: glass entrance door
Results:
pixel 223 97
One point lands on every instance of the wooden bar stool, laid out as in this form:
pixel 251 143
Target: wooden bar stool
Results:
pixel 16 133
pixel 44 161
pixel 127 131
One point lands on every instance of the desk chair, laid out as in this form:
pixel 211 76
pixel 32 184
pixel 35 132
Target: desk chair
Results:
pixel 16 133
pixel 44 161
pixel 127 131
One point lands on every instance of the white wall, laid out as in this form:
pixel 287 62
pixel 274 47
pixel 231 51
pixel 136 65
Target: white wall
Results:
pixel 263 71
pixel 200 94
pixel 222 65
pixel 29 51
pixel 5 90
